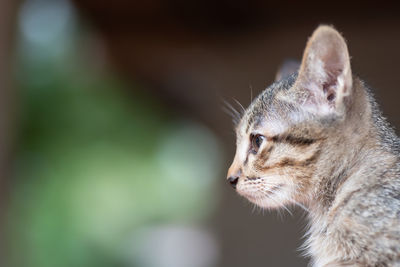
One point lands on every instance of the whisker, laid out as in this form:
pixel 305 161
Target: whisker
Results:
pixel 254 208
pixel 301 206
pixel 230 110
pixel 231 107
pixel 235 118
pixel 251 93
pixel 277 202
pixel 240 105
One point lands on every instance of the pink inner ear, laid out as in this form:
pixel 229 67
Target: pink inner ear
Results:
pixel 325 73
pixel 329 87
pixel 329 91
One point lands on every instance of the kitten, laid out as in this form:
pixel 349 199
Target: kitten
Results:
pixel 317 139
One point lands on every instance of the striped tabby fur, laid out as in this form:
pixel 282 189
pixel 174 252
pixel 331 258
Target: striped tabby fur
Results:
pixel 317 139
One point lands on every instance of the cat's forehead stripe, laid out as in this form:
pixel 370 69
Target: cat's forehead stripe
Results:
pixel 254 123
pixel 266 107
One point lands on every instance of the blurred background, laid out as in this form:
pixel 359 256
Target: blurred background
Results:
pixel 113 141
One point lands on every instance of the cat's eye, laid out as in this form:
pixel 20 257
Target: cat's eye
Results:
pixel 256 142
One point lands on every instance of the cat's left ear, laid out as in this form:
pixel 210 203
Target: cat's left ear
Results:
pixel 325 73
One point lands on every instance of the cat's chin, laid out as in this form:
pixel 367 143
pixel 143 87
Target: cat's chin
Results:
pixel 266 202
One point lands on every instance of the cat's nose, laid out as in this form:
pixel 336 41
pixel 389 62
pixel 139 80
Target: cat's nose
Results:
pixel 233 175
pixel 233 180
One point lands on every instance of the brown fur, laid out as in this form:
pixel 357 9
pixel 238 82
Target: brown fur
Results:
pixel 328 149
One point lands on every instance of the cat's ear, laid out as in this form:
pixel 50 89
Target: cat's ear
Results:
pixel 325 73
pixel 288 67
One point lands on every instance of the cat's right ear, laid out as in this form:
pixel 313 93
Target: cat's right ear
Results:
pixel 325 77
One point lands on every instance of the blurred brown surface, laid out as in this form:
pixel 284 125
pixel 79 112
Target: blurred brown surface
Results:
pixel 7 27
pixel 195 53
pixel 7 116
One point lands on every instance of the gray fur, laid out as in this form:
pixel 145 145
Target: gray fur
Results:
pixel 348 179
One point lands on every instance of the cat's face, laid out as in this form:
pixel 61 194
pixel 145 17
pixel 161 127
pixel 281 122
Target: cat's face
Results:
pixel 281 136
pixel 278 146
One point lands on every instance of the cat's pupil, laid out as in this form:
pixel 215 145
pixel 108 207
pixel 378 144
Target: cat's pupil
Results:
pixel 256 141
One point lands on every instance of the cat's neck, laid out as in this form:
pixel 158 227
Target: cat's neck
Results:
pixel 367 170
pixel 366 149
pixel 371 158
pixel 374 167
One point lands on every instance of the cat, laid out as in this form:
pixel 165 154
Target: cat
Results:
pixel 316 138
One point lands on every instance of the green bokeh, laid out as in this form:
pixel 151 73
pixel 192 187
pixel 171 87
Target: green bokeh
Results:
pixel 97 160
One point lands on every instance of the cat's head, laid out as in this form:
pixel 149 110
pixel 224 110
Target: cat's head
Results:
pixel 281 137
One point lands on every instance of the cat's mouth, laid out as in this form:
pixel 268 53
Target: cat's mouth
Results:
pixel 265 193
